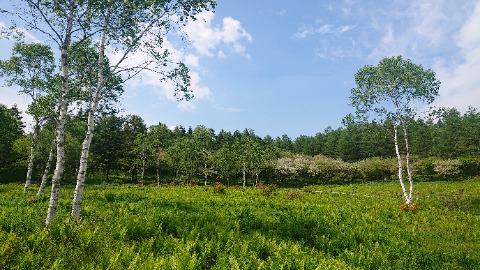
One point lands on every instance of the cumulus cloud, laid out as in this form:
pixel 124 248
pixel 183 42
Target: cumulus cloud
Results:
pixel 206 38
pixel 192 60
pixel 461 83
pixel 164 89
pixel 415 29
pixel 444 31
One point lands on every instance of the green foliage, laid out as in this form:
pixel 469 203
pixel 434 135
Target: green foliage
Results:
pixel 10 131
pixel 185 227
pixel 389 89
pixel 377 168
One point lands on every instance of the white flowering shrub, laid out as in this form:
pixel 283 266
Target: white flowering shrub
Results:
pixel 448 167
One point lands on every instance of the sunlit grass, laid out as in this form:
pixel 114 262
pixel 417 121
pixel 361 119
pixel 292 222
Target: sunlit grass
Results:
pixel 186 227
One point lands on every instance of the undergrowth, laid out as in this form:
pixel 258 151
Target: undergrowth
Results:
pixel 175 227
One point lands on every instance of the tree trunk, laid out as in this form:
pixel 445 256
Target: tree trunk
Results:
pixel 409 172
pixel 158 170
pixel 400 166
pixel 59 166
pixel 47 169
pixel 31 158
pixel 143 167
pixel 62 119
pixel 82 168
pixel 244 178
pixel 205 172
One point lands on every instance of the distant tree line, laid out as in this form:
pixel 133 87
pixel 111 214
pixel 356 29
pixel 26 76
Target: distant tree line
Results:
pixel 444 145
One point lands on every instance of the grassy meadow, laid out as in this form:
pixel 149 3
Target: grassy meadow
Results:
pixel 192 227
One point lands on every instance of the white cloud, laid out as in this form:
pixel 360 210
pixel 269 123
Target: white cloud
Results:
pixel 206 38
pixel 306 31
pixel 326 29
pixel 428 20
pixel 221 54
pixel 414 29
pixel 186 106
pixel 165 90
pixel 192 60
pixel 346 28
pixel 461 83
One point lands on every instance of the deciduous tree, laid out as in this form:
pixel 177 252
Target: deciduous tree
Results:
pixel 31 67
pixel 390 90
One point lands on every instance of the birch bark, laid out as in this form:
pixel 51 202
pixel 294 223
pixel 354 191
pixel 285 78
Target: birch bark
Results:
pixel 400 165
pixel 409 172
pixel 48 165
pixel 31 157
pixel 243 171
pixel 82 168
pixel 158 169
pixel 62 118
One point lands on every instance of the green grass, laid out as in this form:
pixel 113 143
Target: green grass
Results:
pixel 320 227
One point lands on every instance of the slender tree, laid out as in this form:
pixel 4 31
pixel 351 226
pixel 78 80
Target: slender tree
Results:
pixel 159 137
pixel 203 139
pixel 131 28
pixel 31 67
pixel 390 90
pixel 59 22
pixel 226 162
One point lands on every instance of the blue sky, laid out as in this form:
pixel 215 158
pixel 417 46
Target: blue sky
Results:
pixel 287 67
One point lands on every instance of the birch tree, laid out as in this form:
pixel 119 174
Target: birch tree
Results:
pixel 132 28
pixel 159 137
pixel 59 22
pixel 203 139
pixel 227 162
pixel 391 90
pixel 31 67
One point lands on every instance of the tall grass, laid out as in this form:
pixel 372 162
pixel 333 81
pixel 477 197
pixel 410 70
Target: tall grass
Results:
pixel 185 227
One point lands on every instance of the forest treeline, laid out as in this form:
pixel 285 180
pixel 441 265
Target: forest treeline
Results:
pixel 124 149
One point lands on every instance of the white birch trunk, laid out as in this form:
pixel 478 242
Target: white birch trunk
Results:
pixel 244 178
pixel 409 172
pixel 205 172
pixel 62 119
pixel 47 169
pixel 31 158
pixel 144 158
pixel 82 168
pixel 59 166
pixel 158 170
pixel 400 166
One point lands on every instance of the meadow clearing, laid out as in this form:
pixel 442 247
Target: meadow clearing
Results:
pixel 359 226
